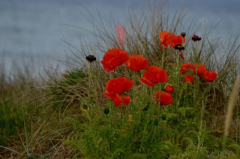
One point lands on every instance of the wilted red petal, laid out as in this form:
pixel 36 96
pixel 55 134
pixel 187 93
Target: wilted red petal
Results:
pixel 137 63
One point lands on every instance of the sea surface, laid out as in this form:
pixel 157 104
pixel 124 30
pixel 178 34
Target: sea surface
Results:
pixel 36 32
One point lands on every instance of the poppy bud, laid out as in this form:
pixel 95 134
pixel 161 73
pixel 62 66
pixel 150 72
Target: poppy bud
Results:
pixel 196 38
pixel 169 88
pixel 164 116
pixel 183 34
pixel 91 58
pixel 156 122
pixel 179 47
pixel 106 111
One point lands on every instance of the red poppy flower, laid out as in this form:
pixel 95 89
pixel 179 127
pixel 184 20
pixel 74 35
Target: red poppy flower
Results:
pixel 176 40
pixel 113 58
pixel 169 88
pixel 201 69
pixel 165 38
pixel 137 63
pixel 165 98
pixel 121 100
pixel 188 78
pixel 210 76
pixel 186 66
pixel 110 95
pixel 117 86
pixel 154 75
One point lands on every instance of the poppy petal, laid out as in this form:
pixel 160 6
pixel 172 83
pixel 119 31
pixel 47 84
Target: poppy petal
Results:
pixel 137 63
pixel 113 58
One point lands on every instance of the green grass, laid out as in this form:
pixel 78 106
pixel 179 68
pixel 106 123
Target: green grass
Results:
pixel 64 116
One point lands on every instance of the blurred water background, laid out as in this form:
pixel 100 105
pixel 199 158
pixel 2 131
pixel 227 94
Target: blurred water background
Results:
pixel 32 32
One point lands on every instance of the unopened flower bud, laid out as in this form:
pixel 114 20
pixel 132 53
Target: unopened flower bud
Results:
pixel 91 58
pixel 183 34
pixel 164 116
pixel 156 122
pixel 106 111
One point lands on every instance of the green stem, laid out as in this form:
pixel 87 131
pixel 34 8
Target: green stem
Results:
pixel 195 52
pixel 163 58
pixel 177 72
pixel 89 81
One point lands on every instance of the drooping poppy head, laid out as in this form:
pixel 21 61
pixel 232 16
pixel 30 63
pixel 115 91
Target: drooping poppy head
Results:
pixel 122 101
pixel 137 63
pixel 210 76
pixel 120 34
pixel 188 78
pixel 196 38
pixel 113 58
pixel 117 86
pixel 186 66
pixel 165 38
pixel 165 98
pixel 154 75
pixel 91 58
pixel 201 69
pixel 169 88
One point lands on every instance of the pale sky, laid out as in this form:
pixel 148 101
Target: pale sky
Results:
pixel 35 26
